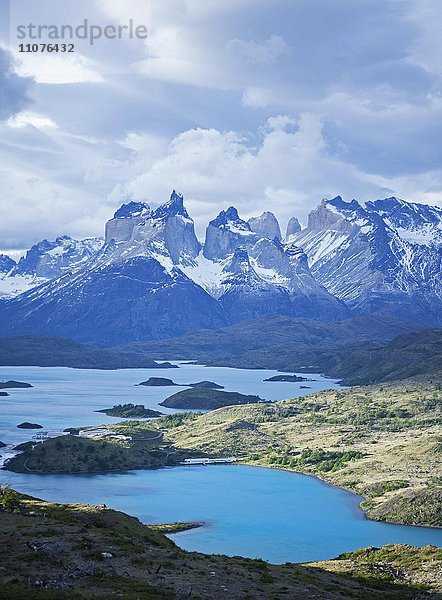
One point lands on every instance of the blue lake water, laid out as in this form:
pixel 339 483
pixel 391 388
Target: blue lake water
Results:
pixel 63 397
pixel 255 512
pixel 249 511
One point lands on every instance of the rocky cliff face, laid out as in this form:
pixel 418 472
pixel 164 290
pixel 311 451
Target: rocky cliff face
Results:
pixel 167 231
pixel 266 226
pixel 293 227
pixel 121 227
pixel 226 233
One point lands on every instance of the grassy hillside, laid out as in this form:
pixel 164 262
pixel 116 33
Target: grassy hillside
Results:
pixel 61 352
pixel 383 442
pixel 58 551
pixel 358 350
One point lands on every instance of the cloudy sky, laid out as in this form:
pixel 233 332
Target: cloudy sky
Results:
pixel 263 104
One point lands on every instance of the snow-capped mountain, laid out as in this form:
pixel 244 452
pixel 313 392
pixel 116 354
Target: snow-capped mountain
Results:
pixel 167 232
pixel 46 260
pixel 247 295
pixel 152 278
pixel 381 258
pixel 281 265
pixel 130 289
pixel 50 259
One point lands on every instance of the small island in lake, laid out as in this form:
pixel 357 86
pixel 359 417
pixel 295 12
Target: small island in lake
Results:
pixel 129 411
pixel 14 384
pixel 292 378
pixel 163 381
pixel 207 399
pixel 209 385
pixel 158 381
pixel 27 425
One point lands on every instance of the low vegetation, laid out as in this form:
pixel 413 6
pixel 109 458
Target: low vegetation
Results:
pixel 74 454
pixel 65 551
pixel 203 398
pixel 383 442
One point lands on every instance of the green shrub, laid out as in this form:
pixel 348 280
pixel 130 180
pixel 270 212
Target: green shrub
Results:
pixel 9 499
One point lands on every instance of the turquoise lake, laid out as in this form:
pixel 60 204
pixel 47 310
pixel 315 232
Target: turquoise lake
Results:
pixel 254 512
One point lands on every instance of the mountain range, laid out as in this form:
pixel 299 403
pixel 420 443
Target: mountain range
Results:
pixel 151 278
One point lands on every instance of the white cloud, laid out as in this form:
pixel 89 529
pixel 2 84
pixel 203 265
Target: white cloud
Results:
pixel 24 118
pixel 35 208
pixel 257 97
pixel 286 168
pixel 60 68
pixel 258 53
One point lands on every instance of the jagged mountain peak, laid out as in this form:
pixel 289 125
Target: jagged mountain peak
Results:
pixel 48 259
pixel 228 217
pixel 6 263
pixel 239 262
pixel 173 207
pixel 383 257
pixel 132 209
pixel 225 233
pixel 403 214
pixel 167 233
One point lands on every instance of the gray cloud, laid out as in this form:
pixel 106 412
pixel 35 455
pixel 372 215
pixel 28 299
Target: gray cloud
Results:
pixel 14 90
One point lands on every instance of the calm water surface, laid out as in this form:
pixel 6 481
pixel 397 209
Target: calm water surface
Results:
pixel 249 511
pixel 254 512
pixel 63 397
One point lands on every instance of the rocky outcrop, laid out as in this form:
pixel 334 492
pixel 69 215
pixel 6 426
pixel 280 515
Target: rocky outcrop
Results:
pixel 167 232
pixel 225 233
pixel 121 227
pixel 293 226
pixel 6 263
pixel 266 225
